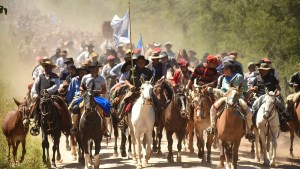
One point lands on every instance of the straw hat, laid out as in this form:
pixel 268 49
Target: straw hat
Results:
pixel 48 62
pixel 264 66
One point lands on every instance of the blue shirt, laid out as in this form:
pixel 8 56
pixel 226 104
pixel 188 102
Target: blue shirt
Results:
pixel 73 89
pixel 236 79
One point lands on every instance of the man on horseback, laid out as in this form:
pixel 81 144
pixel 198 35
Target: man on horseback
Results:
pixel 139 71
pixel 183 75
pixel 231 76
pixel 265 79
pixel 294 83
pixel 47 81
pixel 98 88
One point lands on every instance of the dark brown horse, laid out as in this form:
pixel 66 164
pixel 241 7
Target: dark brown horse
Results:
pixel 15 128
pixel 174 120
pixel 295 123
pixel 202 104
pixel 90 128
pixel 230 127
pixel 160 98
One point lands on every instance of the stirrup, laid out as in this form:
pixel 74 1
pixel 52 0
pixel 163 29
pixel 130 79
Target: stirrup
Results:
pixel 210 130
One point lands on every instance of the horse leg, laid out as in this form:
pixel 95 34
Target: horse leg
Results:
pixel 191 136
pixel 180 136
pixel 235 153
pixel 274 148
pixel 73 147
pixel 292 135
pixel 122 146
pixel 91 143
pixel 8 153
pixel 138 139
pixel 58 156
pixel 200 145
pixel 147 147
pixel 159 135
pixel 222 154
pixel 210 139
pixel 15 149
pixel 97 151
pixel 87 158
pixel 264 147
pixel 23 150
pixel 68 148
pixel 134 145
pixel 54 149
pixel 129 147
pixel 45 145
pixel 256 145
pixel 116 134
pixel 170 144
pixel 154 148
pixel 80 152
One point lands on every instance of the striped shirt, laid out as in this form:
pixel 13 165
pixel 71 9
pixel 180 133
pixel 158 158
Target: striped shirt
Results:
pixel 204 75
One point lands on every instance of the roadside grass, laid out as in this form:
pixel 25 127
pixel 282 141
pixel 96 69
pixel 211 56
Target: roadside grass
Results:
pixel 33 157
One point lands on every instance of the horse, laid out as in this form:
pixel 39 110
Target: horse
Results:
pixel 76 140
pixel 267 123
pixel 141 121
pixel 15 128
pixel 54 118
pixel 174 119
pixel 295 123
pixel 90 127
pixel 229 133
pixel 115 123
pixel 202 104
pixel 160 97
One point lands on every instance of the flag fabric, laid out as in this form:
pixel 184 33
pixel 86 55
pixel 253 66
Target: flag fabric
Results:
pixel 121 28
pixel 140 45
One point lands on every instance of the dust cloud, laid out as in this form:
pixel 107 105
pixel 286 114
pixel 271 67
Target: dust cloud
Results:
pixel 72 18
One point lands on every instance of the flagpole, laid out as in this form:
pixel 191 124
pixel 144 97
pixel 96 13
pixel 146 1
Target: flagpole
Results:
pixel 132 66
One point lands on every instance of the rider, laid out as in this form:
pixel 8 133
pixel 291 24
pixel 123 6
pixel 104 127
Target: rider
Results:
pixel 231 76
pixel 295 83
pixel 99 88
pixel 265 79
pixel 47 81
pixel 73 94
pixel 183 75
pixel 139 71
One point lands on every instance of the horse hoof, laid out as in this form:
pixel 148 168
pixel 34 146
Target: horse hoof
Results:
pixel 139 166
pixel 124 154
pixel 203 161
pixel 53 165
pixel 178 159
pixel 74 158
pixel 292 155
pixel 170 160
pixel 58 158
pixel 266 164
pixel 257 160
pixel 129 155
pixel 116 154
pixel 272 165
pixel 159 153
pixel 192 151
pixel 145 163
pixel 154 149
pixel 96 166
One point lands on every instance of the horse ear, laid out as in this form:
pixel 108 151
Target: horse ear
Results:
pixel 16 101
pixel 151 80
pixel 277 92
pixel 142 80
pixel 267 91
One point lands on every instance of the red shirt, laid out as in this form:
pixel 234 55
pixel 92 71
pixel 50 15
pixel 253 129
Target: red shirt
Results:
pixel 204 75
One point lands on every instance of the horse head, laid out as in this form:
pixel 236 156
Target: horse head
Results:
pixel 181 100
pixel 24 112
pixel 88 97
pixel 270 103
pixel 147 91
pixel 202 103
pixel 233 95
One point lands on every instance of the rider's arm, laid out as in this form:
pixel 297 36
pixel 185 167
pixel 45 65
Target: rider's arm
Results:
pixel 55 87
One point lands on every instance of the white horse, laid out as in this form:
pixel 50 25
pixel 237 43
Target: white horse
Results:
pixel 141 121
pixel 267 123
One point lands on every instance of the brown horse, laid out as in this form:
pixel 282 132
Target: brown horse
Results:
pixel 202 104
pixel 295 123
pixel 174 120
pixel 15 128
pixel 230 127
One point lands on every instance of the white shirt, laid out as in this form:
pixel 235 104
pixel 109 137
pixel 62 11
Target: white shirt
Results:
pixel 83 57
pixel 60 63
pixel 37 71
pixel 99 81
pixel 36 86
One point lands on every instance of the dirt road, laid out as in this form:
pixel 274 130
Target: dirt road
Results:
pixel 246 159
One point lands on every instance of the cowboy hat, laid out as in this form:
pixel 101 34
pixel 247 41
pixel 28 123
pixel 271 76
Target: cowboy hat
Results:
pixel 82 67
pixel 68 61
pixel 143 58
pixel 48 62
pixel 264 66
pixel 163 54
pixel 90 44
pixel 155 55
pixel 168 43
pixel 94 54
pixel 156 44
pixel 95 64
pixel 126 64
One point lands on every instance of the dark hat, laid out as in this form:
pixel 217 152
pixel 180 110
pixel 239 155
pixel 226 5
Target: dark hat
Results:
pixel 95 64
pixel 143 58
pixel 126 64
pixel 82 67
pixel 48 62
pixel 72 66
pixel 90 44
pixel 69 61
pixel 64 52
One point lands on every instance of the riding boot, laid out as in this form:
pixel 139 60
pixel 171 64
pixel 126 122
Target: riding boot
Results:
pixel 74 129
pixel 212 128
pixel 35 130
pixel 104 127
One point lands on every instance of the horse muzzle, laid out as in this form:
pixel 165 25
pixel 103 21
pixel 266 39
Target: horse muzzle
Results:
pixel 200 113
pixel 183 113
pixel 26 123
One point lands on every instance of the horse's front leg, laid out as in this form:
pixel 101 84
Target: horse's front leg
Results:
pixel 148 148
pixel 159 135
pixel 58 156
pixel 68 148
pixel 170 144
pixel 73 147
pixel 45 146
pixel 235 153
pixel 264 147
pixel 8 153
pixel 138 140
pixel 256 144
pixel 154 148
pixel 222 155
pixel 87 159
pixel 15 150
pixel 292 135
pixel 274 148
pixel 129 147
pixel 23 150
pixel 134 144
pixel 200 144
pixel 180 136
pixel 190 129
pixel 97 151
pixel 116 134
pixel 210 139
pixel 54 149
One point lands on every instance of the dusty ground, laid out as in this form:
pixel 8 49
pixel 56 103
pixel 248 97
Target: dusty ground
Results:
pixel 246 159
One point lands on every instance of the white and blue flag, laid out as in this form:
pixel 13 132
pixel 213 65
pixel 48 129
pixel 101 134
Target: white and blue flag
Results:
pixel 121 28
